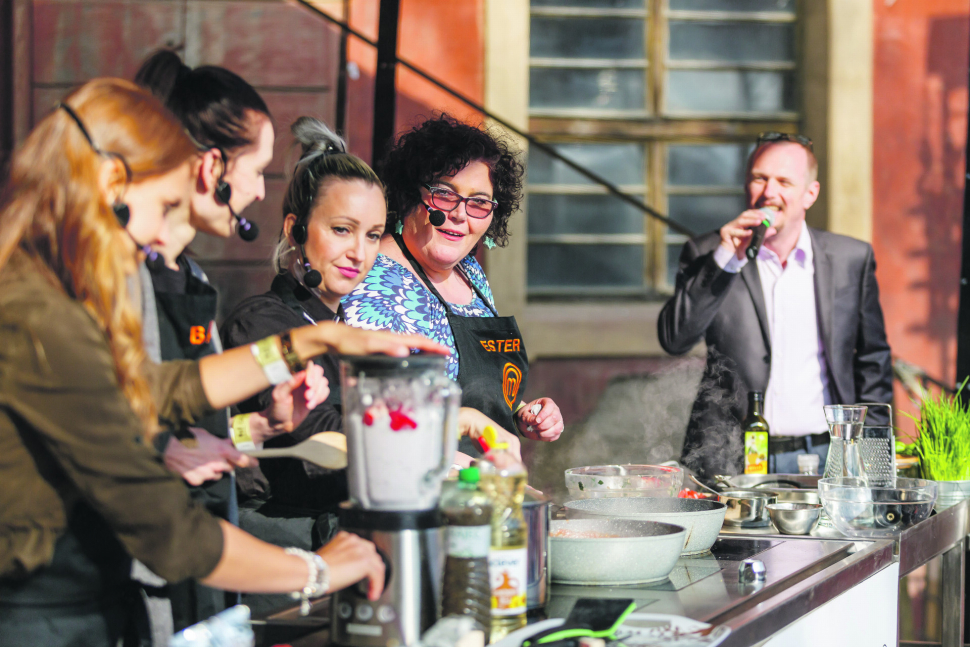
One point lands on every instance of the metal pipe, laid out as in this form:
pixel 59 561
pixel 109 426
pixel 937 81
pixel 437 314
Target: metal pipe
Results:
pixel 385 81
pixel 340 118
pixel 6 85
pixel 545 148
pixel 951 594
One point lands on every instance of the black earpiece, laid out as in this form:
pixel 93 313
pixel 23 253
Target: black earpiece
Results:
pixel 122 213
pixel 436 217
pixel 311 277
pixel 223 192
pixel 248 231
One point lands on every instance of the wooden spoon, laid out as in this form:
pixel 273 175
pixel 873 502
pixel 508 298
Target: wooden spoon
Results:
pixel 327 449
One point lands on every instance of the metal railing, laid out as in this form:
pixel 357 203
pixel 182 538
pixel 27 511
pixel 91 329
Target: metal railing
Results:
pixel 545 148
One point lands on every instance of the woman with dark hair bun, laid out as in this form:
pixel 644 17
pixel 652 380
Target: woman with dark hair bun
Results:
pixel 449 187
pixel 230 124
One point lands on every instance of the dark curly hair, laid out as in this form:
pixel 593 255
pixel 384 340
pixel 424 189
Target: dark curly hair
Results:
pixel 443 146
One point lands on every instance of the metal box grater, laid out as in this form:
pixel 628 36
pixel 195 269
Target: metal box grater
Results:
pixel 878 453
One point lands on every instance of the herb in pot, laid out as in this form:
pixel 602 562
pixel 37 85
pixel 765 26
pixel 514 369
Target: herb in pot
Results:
pixel 943 443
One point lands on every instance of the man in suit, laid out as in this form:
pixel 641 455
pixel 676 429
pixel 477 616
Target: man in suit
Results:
pixel 802 323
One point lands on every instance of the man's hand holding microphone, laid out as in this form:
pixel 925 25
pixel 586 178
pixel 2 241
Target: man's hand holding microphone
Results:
pixel 744 235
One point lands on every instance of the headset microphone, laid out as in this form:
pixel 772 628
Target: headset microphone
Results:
pixel 311 277
pixel 153 260
pixel 436 217
pixel 248 231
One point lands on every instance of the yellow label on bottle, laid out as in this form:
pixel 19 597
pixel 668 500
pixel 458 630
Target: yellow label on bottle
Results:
pixel 756 452
pixel 507 570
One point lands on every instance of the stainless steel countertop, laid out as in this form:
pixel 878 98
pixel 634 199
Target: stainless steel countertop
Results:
pixel 803 573
pixel 914 547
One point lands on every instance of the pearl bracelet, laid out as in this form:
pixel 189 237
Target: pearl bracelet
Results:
pixel 317 581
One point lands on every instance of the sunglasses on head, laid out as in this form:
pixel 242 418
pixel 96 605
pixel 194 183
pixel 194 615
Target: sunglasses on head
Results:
pixel 771 137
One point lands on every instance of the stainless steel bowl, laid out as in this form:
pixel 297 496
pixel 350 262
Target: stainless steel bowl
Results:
pixel 798 496
pixel 794 518
pixel 746 508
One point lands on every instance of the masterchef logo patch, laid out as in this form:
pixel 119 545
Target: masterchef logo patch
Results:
pixel 501 345
pixel 511 379
pixel 199 335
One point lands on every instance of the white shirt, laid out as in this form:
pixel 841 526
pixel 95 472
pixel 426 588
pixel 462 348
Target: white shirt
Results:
pixel 798 384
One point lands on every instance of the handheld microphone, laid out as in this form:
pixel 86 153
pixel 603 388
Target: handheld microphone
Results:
pixel 758 235
pixel 436 217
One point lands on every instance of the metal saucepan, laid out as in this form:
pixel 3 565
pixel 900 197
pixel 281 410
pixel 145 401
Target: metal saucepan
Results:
pixel 747 507
pixel 536 509
pixel 769 481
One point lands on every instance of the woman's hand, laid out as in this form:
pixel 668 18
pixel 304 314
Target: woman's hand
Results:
pixel 207 461
pixel 472 423
pixel 352 558
pixel 547 425
pixel 328 337
pixel 292 401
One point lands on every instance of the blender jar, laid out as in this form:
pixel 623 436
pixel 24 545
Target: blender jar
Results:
pixel 401 421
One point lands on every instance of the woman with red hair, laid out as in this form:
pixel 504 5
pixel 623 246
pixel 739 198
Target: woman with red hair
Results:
pixel 83 492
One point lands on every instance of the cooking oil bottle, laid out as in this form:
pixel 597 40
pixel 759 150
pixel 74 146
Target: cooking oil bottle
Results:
pixel 755 429
pixel 503 479
pixel 468 516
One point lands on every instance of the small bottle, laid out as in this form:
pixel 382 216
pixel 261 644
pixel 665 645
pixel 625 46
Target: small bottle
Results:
pixel 504 480
pixel 468 517
pixel 755 429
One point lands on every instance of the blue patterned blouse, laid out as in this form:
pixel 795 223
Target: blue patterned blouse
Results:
pixel 392 298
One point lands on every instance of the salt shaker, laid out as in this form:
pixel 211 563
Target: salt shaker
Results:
pixel 808 464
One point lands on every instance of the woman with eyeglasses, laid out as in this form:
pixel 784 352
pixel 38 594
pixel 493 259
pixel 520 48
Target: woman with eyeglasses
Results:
pixel 451 186
pixel 334 215
pixel 83 491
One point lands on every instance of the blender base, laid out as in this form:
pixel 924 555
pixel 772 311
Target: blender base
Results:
pixel 410 542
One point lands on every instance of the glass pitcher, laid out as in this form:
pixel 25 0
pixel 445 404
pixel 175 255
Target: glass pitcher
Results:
pixel 401 421
pixel 845 451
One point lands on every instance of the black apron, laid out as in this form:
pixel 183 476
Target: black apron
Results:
pixel 492 363
pixel 186 321
pixel 186 326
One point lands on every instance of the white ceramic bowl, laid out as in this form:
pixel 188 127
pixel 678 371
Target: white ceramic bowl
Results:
pixel 702 519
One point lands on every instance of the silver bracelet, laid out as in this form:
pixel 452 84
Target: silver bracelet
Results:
pixel 317 581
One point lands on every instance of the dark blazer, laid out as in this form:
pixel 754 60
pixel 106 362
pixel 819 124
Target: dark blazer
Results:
pixel 727 311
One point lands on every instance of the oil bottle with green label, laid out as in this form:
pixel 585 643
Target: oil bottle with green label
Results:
pixel 755 431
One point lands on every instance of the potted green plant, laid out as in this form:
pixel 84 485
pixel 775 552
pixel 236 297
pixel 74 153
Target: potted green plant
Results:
pixel 943 445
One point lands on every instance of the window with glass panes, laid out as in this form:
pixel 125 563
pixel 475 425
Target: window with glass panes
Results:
pixel 662 98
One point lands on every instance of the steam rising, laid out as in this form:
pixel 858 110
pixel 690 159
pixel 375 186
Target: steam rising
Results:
pixel 643 418
pixel 719 448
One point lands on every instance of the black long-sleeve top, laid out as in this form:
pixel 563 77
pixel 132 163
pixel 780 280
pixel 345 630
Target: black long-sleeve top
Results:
pixel 289 482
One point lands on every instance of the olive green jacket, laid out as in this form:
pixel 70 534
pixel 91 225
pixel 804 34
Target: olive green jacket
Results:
pixel 68 434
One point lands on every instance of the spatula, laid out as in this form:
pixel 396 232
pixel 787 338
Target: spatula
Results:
pixel 327 449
